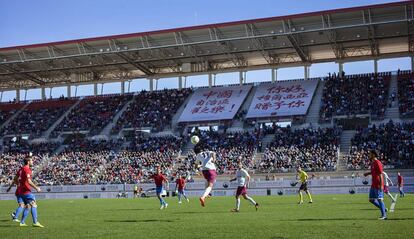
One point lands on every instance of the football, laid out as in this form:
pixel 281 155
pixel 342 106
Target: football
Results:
pixel 195 139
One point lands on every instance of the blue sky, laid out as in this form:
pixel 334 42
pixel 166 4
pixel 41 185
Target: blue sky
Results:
pixel 28 22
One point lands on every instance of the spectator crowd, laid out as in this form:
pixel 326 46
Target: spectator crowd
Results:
pixel 355 94
pixel 393 141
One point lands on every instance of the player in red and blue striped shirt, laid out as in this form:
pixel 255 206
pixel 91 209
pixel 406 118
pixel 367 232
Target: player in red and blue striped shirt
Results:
pixel 376 193
pixel 159 180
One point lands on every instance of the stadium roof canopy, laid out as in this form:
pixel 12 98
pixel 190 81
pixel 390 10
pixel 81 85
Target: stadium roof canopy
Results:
pixel 359 33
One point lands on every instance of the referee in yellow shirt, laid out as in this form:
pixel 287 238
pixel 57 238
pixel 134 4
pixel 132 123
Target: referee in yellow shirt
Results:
pixel 303 178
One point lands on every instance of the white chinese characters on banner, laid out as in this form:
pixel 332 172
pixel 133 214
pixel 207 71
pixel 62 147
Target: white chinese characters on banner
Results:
pixel 286 98
pixel 218 103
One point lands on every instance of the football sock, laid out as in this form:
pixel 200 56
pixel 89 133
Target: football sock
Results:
pixel 250 200
pixel 18 211
pixel 34 214
pixel 300 196
pixel 206 192
pixel 375 202
pixel 392 198
pixel 24 216
pixel 382 208
pixel 238 203
pixel 310 197
pixel 179 197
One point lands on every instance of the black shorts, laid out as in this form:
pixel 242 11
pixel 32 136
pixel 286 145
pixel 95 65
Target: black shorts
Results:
pixel 304 186
pixel 135 192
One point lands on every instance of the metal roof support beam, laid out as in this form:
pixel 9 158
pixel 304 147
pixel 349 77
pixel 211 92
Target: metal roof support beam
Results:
pixel 226 47
pixel 295 42
pixel 165 55
pixel 375 66
pixel 137 65
pixel 29 77
pixel 259 43
pixel 210 80
pixel 191 49
pixel 371 34
pixel 332 37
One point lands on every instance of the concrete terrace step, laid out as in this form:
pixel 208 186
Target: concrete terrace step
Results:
pixel 107 129
pixel 47 133
pixel 314 108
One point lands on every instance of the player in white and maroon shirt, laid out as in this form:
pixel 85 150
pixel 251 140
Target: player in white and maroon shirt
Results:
pixel 207 159
pixel 387 182
pixel 243 180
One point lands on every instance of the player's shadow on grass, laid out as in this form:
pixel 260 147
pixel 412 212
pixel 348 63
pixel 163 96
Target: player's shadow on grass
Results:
pixel 127 209
pixel 198 212
pixel 146 220
pixel 376 209
pixel 342 219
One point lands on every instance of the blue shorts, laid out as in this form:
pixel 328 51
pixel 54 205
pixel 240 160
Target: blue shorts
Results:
pixel 158 189
pixel 19 199
pixel 376 193
pixel 181 191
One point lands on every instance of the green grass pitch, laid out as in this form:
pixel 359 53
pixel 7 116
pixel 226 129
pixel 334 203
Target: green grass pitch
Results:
pixel 330 216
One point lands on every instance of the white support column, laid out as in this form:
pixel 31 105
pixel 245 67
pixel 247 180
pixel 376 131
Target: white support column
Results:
pixel 102 87
pixel 122 87
pixel 180 82
pixel 214 78
pixel 210 80
pixel 95 89
pixel 50 92
pixel 151 84
pixel 241 77
pixel 340 68
pixel 43 93
pixel 76 91
pixel 18 95
pixel 185 81
pixel 129 86
pixel 274 74
pixel 156 83
pixel 375 66
pixel 306 72
pixel 68 91
pixel 412 63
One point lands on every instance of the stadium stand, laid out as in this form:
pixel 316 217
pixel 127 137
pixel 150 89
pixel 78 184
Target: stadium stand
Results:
pixel 394 142
pixel 312 149
pixel 37 117
pixel 93 114
pixel 152 109
pixel 8 109
pixel 355 94
pixel 132 158
pixel 406 93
